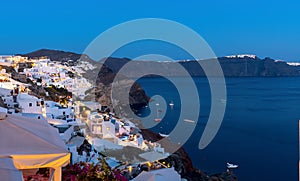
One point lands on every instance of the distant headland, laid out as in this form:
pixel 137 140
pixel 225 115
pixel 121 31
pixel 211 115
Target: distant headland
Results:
pixel 232 66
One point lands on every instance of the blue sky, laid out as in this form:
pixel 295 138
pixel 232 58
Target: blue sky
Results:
pixel 264 28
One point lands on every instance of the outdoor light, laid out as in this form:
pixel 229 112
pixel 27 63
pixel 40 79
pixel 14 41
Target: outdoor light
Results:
pixel 130 169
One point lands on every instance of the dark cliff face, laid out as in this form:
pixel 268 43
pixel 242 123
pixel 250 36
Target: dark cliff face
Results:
pixel 137 96
pixel 241 67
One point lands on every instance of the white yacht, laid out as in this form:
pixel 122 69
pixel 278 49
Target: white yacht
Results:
pixel 188 121
pixel 231 166
pixel 164 135
pixel 171 104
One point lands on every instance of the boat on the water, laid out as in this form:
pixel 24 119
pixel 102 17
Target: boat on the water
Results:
pixel 188 121
pixel 231 166
pixel 157 119
pixel 171 104
pixel 163 135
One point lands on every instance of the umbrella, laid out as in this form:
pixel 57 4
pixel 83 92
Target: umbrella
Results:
pixel 8 171
pixel 31 144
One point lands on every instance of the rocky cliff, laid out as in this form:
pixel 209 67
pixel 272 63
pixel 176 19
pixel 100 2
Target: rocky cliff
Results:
pixel 103 91
pixel 231 66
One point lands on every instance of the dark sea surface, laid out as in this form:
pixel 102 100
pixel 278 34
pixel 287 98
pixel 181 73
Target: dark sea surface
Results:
pixel 259 131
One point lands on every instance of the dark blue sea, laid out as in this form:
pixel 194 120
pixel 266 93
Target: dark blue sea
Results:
pixel 259 131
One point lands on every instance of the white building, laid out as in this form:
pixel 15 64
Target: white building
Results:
pixel 108 129
pixel 8 60
pixel 2 109
pixel 30 104
pixel 5 92
pixel 34 116
pixel 57 111
pixel 99 126
pixel 92 105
